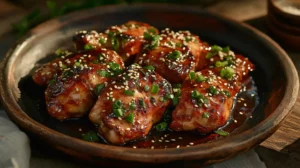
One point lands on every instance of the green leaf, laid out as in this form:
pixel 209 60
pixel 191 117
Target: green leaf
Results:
pixel 99 88
pixel 130 118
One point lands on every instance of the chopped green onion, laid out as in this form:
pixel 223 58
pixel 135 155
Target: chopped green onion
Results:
pixel 195 94
pixel 132 105
pixel 222 133
pixel 95 61
pixel 90 136
pixel 216 48
pixel 175 100
pixel 192 75
pixel 99 88
pixel 117 104
pixel 161 126
pixel 221 64
pixel 226 49
pixel 205 115
pixel 103 73
pixel 155 41
pixel 152 30
pixel 213 51
pixel 115 43
pixel 147 36
pixel 154 89
pixel 175 55
pixel 178 85
pixel 114 67
pixel 130 118
pixel 200 78
pixel 149 68
pixel 118 112
pixel 77 64
pixel 146 88
pixel 88 47
pixel 178 44
pixel 142 103
pixel 129 92
pixel 227 73
pixel 58 52
pixel 102 40
pixel 188 39
pixel 213 90
pixel 226 93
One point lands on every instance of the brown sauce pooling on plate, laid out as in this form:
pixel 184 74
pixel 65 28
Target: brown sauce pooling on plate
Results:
pixel 244 105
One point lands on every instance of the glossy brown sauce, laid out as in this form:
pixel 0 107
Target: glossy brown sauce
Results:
pixel 167 139
pixel 244 105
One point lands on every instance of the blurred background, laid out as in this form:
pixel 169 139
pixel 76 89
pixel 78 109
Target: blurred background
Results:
pixel 21 15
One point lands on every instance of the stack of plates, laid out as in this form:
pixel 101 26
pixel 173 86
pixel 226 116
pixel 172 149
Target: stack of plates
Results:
pixel 284 21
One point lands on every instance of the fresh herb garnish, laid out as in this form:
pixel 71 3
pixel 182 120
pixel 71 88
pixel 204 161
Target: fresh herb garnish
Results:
pixel 161 126
pixel 91 136
pixel 99 88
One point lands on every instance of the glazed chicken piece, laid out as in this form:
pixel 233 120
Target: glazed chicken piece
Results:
pixel 45 73
pixel 207 96
pixel 73 93
pixel 129 106
pixel 173 54
pixel 125 39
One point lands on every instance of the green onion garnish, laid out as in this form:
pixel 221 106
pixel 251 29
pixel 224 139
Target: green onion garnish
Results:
pixel 88 47
pixel 213 90
pixel 175 100
pixel 99 88
pixel 221 64
pixel 200 78
pixel 175 55
pixel 132 105
pixel 103 73
pixel 161 126
pixel 102 40
pixel 227 73
pixel 129 92
pixel 222 133
pixel 114 67
pixel 152 30
pixel 205 115
pixel 115 43
pixel 192 75
pixel 149 68
pixel 154 89
pixel 226 93
pixel 90 136
pixel 226 49
pixel 146 88
pixel 130 118
pixel 142 103
pixel 195 94
pixel 77 64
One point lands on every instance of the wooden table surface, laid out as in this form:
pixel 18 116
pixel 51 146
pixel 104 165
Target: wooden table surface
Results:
pixel 282 149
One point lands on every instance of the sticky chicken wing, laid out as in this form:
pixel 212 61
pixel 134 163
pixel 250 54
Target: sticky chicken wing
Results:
pixel 73 93
pixel 173 54
pixel 207 96
pixel 129 106
pixel 125 39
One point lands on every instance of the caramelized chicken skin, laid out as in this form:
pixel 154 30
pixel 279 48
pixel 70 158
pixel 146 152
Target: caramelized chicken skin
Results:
pixel 72 94
pixel 207 96
pixel 125 39
pixel 173 54
pixel 129 106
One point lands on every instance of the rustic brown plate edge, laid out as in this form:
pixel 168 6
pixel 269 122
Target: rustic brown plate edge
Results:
pixel 248 140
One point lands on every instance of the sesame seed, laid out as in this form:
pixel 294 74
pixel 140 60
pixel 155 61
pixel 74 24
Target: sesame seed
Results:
pixel 173 140
pixel 180 138
pixel 241 113
pixel 178 146
pixel 152 141
pixel 235 121
pixel 152 147
pixel 191 143
pixel 134 147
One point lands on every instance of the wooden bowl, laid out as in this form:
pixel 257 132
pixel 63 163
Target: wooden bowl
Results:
pixel 275 77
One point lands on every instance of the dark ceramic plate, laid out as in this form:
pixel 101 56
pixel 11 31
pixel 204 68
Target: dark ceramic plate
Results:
pixel 275 76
